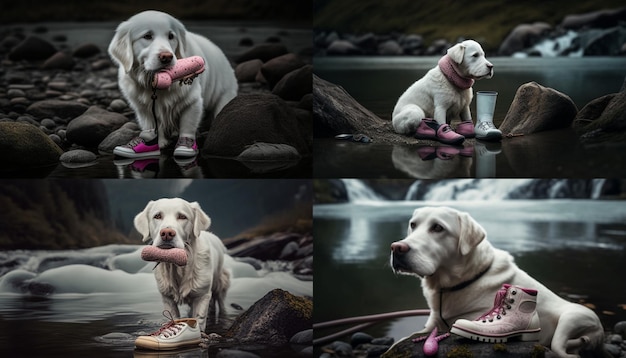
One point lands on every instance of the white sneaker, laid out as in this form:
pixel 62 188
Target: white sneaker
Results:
pixel 486 130
pixel 174 334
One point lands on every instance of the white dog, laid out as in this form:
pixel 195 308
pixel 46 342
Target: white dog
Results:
pixel 151 41
pixel 448 249
pixel 440 96
pixel 203 281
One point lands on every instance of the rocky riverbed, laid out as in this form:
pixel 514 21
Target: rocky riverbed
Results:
pixel 62 103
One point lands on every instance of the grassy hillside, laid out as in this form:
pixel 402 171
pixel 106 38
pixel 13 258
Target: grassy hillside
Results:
pixel 100 10
pixel 488 21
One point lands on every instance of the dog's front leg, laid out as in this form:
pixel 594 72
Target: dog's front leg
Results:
pixel 200 309
pixel 466 114
pixel 440 113
pixel 170 305
pixel 190 120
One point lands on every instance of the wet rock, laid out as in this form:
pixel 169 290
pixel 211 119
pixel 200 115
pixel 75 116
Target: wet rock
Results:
pixel 412 44
pixel 263 52
pixel 336 112
pixel 235 353
pixel 303 338
pixel 341 349
pixel 612 349
pixel 25 146
pixel 48 123
pixel 247 71
pixel 368 43
pixel 276 68
pixel 437 47
pixel 597 19
pixel 607 43
pixel 603 119
pixel 86 50
pixel 523 36
pixel 59 60
pixel 390 48
pixel 253 118
pixel 58 108
pixel 360 338
pixel 78 156
pixel 93 126
pixel 32 49
pixel 12 93
pixel 265 321
pixel 536 108
pixel 118 105
pixel 343 48
pixel 100 64
pixel 620 328
pixel 269 151
pixel 385 341
pixel 295 84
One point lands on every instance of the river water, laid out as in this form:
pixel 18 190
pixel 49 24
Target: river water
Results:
pixel 576 248
pixel 377 83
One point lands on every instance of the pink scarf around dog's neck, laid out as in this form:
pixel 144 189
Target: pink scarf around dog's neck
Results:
pixel 447 67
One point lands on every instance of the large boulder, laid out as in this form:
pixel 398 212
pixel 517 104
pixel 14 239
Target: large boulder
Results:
pixel 32 48
pixel 54 107
pixel 336 112
pixel 606 42
pixel 276 68
pixel 523 36
pixel 295 84
pixel 273 320
pixel 25 146
pixel 93 126
pixel 253 118
pixel 536 108
pixel 603 119
pixel 597 19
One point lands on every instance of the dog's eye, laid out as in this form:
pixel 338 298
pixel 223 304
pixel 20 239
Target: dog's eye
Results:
pixel 147 36
pixel 436 228
pixel 157 216
pixel 475 55
pixel 182 217
pixel 171 36
pixel 412 225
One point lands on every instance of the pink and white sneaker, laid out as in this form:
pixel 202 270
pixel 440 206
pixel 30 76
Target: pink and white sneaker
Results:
pixel 513 314
pixel 138 148
pixel 466 129
pixel 186 147
pixel 430 129
pixel 174 334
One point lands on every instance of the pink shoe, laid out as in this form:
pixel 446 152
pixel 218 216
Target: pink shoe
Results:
pixel 513 314
pixel 430 129
pixel 138 148
pixel 185 70
pixel 186 147
pixel 466 129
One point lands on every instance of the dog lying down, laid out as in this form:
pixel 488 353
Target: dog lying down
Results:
pixel 196 277
pixel 461 272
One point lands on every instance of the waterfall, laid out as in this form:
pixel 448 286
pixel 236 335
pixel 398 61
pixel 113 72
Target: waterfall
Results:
pixel 596 188
pixel 411 193
pixel 475 189
pixel 358 192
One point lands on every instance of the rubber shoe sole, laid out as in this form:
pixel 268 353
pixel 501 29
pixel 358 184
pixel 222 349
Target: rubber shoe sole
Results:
pixel 523 335
pixel 148 342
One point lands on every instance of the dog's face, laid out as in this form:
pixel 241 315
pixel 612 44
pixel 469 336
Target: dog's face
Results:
pixel 435 236
pixel 470 60
pixel 150 40
pixel 171 223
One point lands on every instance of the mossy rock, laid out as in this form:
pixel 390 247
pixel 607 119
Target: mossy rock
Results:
pixel 24 146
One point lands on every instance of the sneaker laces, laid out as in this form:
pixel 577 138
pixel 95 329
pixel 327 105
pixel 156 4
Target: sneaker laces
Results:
pixel 500 305
pixel 185 142
pixel 170 328
pixel 135 142
pixel 486 125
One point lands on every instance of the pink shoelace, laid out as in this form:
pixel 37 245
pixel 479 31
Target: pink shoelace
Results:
pixel 499 306
pixel 170 328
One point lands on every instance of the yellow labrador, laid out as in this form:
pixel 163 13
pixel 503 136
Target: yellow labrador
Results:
pixel 170 223
pixel 461 270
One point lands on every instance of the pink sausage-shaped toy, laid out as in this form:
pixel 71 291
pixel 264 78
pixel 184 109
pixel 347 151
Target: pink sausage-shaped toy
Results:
pixel 174 256
pixel 185 69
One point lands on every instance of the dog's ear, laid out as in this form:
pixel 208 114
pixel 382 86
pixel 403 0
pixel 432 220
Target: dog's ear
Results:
pixel 201 220
pixel 471 233
pixel 457 52
pixel 181 35
pixel 142 222
pixel 121 47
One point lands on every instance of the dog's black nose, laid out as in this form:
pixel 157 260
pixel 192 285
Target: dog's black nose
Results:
pixel 166 57
pixel 167 234
pixel 400 248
